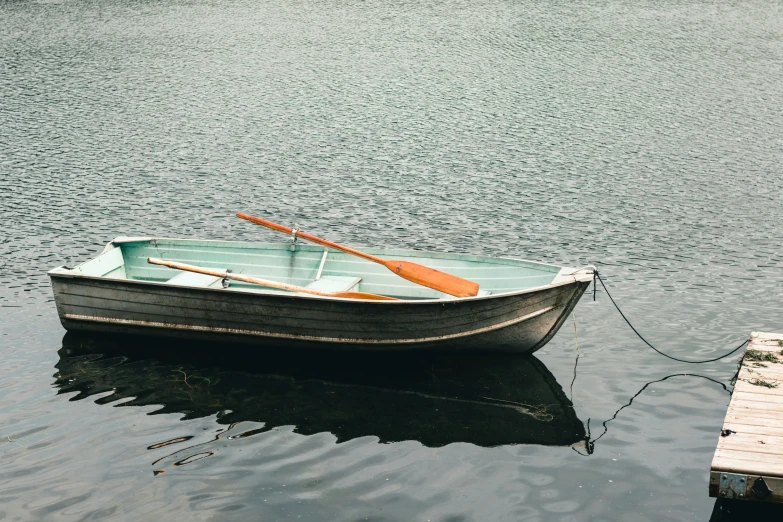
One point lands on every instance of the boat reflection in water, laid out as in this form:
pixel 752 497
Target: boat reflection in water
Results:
pixel 436 400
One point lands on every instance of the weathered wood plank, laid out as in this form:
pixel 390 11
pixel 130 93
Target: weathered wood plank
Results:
pixel 752 419
pixel 763 337
pixel 749 416
pixel 757 396
pixel 748 405
pixel 743 441
pixel 767 369
pixel 747 387
pixel 748 462
pixel 776 429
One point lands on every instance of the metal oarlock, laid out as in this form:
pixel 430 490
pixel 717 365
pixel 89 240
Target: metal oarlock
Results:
pixel 294 230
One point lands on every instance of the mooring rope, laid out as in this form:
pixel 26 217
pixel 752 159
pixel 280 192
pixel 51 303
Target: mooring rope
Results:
pixel 598 277
pixel 590 442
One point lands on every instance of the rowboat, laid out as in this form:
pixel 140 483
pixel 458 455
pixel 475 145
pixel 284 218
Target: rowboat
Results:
pixel 519 307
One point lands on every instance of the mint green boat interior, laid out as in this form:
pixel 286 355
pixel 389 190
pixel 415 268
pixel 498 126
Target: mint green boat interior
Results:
pixel 308 266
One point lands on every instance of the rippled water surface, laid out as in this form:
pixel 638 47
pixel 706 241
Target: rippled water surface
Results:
pixel 644 137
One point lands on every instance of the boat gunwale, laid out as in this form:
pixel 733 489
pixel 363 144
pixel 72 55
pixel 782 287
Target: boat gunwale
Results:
pixel 567 279
pixel 264 293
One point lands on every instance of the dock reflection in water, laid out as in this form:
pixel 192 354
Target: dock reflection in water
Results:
pixel 436 400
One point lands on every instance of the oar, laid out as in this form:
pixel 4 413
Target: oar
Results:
pixel 419 274
pixel 263 282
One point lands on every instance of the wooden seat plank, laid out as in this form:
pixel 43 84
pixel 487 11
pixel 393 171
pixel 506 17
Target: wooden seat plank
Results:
pixel 335 284
pixel 193 279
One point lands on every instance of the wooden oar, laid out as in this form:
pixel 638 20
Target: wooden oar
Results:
pixel 419 274
pixel 263 282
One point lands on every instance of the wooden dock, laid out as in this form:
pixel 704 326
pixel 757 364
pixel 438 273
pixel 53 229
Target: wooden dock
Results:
pixel 748 463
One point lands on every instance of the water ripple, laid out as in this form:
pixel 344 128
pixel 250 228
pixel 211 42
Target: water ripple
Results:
pixel 643 137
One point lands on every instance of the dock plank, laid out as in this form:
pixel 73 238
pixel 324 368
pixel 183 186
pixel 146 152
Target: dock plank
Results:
pixel 746 387
pixel 753 448
pixel 737 461
pixel 758 406
pixel 756 429
pixel 772 372
pixel 752 442
pixel 765 395
pixel 750 416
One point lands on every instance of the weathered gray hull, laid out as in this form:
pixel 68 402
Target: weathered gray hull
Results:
pixel 516 322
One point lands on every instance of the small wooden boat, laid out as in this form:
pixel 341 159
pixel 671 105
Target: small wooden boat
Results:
pixel 519 307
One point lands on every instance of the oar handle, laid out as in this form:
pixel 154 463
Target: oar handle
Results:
pixel 268 224
pixel 309 237
pixel 189 268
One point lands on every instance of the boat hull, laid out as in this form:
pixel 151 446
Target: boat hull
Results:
pixel 520 322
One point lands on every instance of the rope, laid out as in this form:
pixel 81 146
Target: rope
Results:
pixel 596 276
pixel 576 361
pixel 590 442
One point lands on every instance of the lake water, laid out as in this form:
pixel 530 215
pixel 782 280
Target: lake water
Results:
pixel 644 137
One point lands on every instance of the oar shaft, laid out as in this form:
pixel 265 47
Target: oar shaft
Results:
pixel 264 282
pixel 275 284
pixel 309 237
pixel 217 272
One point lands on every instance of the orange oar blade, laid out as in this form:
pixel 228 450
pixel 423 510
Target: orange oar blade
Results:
pixel 363 295
pixel 435 279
